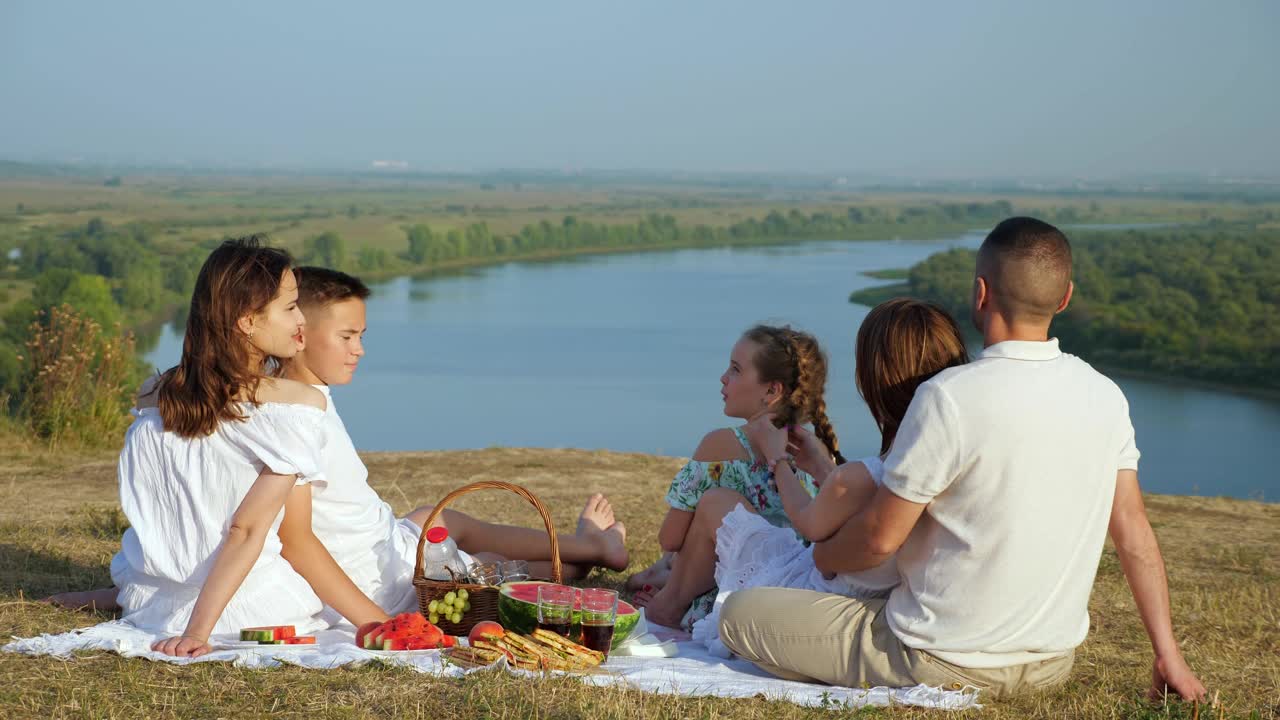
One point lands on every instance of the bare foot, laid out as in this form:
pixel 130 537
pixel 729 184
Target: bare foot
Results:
pixel 88 600
pixel 658 608
pixel 596 523
pixel 655 576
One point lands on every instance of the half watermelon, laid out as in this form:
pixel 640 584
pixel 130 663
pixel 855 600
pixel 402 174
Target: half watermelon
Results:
pixel 518 611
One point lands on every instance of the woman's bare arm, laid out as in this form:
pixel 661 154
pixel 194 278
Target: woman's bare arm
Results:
pixel 232 563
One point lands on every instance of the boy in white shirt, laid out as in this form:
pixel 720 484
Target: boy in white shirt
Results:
pixel 360 530
pixel 1003 481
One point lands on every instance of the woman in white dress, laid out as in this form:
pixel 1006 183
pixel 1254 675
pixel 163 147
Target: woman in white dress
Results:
pixel 217 450
pixel 901 344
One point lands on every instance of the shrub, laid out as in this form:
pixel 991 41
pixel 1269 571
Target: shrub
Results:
pixel 76 381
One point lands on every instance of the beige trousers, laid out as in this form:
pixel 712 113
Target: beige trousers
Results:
pixel 837 640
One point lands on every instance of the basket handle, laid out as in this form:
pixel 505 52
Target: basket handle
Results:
pixel 556 575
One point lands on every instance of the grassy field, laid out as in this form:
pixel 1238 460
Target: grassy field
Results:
pixel 59 526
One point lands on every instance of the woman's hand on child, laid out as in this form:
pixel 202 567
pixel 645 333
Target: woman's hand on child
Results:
pixel 184 646
pixel 769 440
pixel 810 453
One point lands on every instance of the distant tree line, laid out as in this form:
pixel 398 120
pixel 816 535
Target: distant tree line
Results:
pixel 428 246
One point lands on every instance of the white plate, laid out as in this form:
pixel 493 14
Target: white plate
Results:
pixel 251 644
pixel 402 653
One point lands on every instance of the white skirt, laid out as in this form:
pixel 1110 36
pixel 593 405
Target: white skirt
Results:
pixel 751 553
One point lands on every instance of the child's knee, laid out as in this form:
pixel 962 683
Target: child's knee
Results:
pixel 719 501
pixel 419 516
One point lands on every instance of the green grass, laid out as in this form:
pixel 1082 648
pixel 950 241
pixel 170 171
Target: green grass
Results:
pixel 58 529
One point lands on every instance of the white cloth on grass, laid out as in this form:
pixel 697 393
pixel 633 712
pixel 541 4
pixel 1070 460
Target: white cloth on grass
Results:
pixel 180 494
pixel 693 673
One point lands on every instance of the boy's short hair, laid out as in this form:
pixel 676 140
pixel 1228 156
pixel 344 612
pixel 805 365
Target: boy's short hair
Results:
pixel 321 287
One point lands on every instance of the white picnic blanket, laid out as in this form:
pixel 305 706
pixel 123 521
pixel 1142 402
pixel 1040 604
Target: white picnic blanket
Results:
pixel 692 672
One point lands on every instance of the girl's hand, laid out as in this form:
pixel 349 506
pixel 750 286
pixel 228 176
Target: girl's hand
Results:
pixel 769 441
pixel 811 455
pixel 185 646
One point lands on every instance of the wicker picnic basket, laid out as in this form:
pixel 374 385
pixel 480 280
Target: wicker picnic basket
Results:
pixel 484 598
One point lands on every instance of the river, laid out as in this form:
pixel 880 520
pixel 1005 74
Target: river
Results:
pixel 624 352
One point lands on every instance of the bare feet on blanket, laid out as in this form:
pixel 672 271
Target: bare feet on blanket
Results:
pixel 87 600
pixel 658 606
pixel 597 524
pixel 655 576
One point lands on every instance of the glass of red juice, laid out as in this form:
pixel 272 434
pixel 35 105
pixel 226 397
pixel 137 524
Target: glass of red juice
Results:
pixel 599 613
pixel 555 608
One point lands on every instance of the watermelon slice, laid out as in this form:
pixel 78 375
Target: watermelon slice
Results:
pixel 364 631
pixel 299 640
pixel 267 633
pixel 518 611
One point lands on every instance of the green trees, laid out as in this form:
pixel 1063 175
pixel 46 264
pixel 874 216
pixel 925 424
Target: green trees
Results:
pixel 326 250
pixel 110 276
pixel 421 243
pixel 1200 303
pixel 656 230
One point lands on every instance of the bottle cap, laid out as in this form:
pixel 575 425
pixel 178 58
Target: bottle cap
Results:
pixel 437 534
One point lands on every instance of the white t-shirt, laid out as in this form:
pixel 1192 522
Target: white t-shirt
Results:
pixel 359 528
pixel 1016 455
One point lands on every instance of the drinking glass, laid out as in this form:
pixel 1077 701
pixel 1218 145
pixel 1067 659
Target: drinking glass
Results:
pixel 555 608
pixel 599 613
pixel 486 573
pixel 515 571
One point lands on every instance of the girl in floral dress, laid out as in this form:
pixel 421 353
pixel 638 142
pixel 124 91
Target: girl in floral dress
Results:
pixel 772 370
pixel 901 344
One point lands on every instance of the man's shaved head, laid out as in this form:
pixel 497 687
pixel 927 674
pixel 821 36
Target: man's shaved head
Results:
pixel 1027 266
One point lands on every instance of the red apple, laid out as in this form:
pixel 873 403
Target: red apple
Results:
pixel 485 629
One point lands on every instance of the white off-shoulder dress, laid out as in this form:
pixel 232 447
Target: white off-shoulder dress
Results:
pixel 180 494
pixel 751 552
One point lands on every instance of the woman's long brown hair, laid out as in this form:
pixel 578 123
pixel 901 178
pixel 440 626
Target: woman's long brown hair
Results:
pixel 794 359
pixel 217 369
pixel 901 344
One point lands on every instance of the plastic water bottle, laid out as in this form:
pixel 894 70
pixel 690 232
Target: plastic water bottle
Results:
pixel 441 556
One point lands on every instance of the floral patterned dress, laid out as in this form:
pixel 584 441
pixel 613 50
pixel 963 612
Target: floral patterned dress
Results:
pixel 751 478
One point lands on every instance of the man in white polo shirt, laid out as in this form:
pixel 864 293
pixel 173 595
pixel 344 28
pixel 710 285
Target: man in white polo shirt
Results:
pixel 998 493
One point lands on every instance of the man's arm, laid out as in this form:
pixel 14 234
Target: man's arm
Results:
pixel 1143 566
pixel 870 537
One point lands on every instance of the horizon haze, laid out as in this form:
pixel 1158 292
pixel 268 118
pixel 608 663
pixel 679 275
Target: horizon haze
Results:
pixel 997 89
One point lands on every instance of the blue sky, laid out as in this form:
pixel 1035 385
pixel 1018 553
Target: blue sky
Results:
pixel 915 89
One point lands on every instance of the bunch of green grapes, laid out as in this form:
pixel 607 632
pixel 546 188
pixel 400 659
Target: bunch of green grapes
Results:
pixel 449 608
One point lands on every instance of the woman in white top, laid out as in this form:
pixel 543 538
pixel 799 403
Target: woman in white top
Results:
pixel 217 451
pixel 901 344
pixel 359 529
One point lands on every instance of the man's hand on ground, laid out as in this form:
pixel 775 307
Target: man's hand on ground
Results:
pixel 1175 674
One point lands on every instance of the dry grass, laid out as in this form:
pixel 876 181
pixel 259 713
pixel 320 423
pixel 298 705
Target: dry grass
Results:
pixel 59 523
